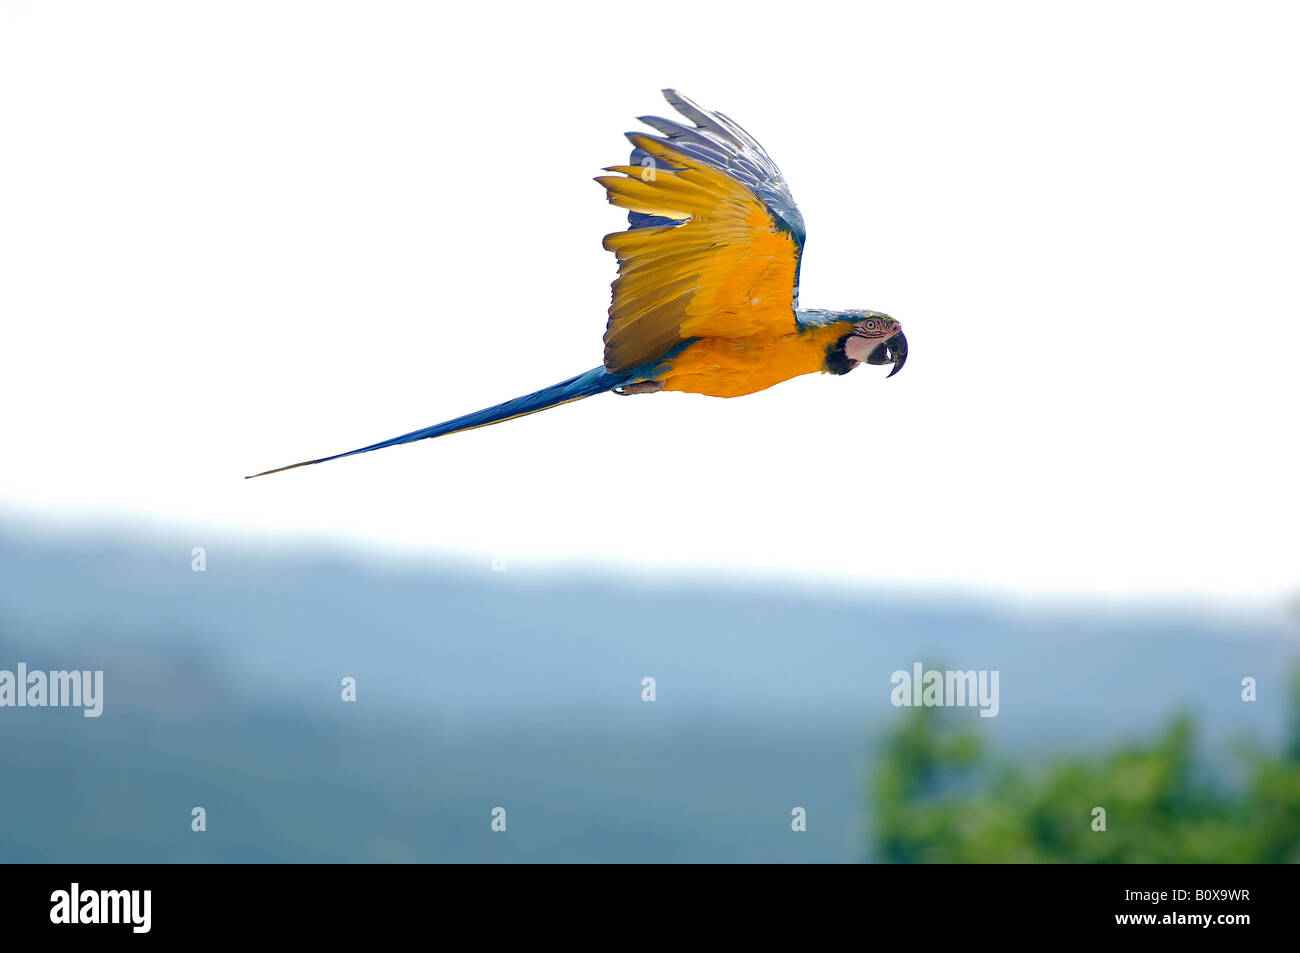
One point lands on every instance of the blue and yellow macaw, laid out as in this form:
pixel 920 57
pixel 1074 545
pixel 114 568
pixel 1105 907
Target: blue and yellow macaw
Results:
pixel 706 299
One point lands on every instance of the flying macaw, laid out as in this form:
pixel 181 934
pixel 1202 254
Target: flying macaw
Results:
pixel 706 299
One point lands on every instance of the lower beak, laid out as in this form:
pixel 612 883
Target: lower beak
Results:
pixel 893 351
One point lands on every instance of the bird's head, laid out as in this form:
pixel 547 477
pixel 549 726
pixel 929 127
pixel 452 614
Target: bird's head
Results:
pixel 876 339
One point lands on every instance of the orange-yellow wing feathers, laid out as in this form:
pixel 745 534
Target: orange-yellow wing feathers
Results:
pixel 727 266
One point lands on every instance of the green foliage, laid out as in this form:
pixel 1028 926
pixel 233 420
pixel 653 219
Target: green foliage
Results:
pixel 941 799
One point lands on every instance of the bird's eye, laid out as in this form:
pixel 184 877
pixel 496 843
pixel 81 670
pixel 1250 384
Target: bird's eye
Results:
pixel 871 325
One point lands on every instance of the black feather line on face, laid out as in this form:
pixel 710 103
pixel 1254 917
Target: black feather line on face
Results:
pixel 837 361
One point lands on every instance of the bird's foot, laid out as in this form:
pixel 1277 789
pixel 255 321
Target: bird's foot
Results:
pixel 640 387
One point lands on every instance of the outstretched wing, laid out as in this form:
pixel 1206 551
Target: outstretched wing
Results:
pixel 714 241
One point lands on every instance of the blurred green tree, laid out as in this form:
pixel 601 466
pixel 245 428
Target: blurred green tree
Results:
pixel 939 797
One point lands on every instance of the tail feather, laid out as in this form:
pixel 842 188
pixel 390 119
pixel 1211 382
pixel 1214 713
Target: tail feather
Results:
pixel 595 381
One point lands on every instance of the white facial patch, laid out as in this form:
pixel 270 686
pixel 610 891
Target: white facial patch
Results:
pixel 859 348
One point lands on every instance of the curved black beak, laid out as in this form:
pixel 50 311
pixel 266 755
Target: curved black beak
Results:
pixel 892 351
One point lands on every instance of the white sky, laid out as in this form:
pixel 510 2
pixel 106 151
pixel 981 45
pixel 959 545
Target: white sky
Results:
pixel 236 235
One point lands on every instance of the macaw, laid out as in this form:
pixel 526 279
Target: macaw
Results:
pixel 706 298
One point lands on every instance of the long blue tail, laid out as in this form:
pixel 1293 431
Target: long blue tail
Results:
pixel 595 381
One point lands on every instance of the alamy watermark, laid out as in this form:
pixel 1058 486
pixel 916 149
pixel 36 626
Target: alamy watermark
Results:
pixel 932 688
pixel 59 689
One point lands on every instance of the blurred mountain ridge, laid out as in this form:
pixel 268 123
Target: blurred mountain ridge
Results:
pixel 222 688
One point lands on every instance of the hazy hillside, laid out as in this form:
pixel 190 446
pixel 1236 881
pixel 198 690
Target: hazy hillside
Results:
pixel 477 689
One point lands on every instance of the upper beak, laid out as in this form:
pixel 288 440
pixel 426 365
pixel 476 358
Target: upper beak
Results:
pixel 892 351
